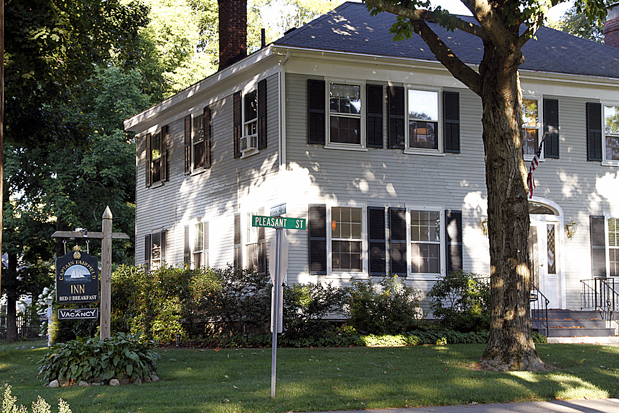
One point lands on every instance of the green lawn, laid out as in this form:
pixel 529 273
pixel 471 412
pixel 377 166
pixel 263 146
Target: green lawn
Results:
pixel 325 379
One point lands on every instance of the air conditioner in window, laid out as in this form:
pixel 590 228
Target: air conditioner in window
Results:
pixel 249 145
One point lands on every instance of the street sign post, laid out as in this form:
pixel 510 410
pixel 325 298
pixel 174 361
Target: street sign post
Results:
pixel 278 223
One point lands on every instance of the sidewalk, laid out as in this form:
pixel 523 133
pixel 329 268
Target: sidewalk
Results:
pixel 570 406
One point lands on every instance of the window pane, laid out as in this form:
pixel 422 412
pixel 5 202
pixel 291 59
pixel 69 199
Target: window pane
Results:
pixel 425 242
pixel 530 115
pixel 422 105
pixel 156 246
pixel 156 146
pixel 612 148
pixel 199 237
pixel 345 98
pixel 530 142
pixel 422 135
pixel 345 130
pixel 198 130
pixel 251 106
pixel 613 232
pixel 611 120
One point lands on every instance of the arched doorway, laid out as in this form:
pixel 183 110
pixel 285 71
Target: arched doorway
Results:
pixel 545 249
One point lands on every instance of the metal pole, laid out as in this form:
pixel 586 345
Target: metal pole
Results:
pixel 106 273
pixel 275 315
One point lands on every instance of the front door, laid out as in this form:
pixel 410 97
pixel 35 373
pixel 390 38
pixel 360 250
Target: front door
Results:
pixel 543 252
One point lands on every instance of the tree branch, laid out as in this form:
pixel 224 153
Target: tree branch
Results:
pixel 426 15
pixel 447 57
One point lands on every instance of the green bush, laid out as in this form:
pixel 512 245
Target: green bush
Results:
pixel 460 301
pixel 307 305
pixel 386 307
pixel 93 360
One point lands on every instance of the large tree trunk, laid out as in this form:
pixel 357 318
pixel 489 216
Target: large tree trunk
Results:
pixel 510 345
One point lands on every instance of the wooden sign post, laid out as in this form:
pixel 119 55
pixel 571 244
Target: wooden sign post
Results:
pixel 106 235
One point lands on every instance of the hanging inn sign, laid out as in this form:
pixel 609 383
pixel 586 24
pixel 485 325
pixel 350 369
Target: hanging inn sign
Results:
pixel 77 278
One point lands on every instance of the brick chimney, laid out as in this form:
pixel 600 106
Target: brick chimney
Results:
pixel 232 32
pixel 611 26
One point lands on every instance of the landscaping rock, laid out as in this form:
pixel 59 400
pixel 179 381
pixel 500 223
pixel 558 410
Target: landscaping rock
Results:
pixel 114 382
pixel 125 380
pixel 154 378
pixel 138 381
pixel 83 383
pixel 54 384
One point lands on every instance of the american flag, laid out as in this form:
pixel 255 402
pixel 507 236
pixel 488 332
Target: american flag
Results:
pixel 532 167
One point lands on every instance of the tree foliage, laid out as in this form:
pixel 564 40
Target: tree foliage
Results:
pixel 579 25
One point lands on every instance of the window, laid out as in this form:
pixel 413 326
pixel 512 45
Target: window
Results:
pixel 344 114
pixel 423 119
pixel 198 246
pixel 530 126
pixel 256 245
pixel 198 143
pixel 156 156
pixel 613 246
pixel 611 132
pixel 425 233
pixel 346 239
pixel 250 121
pixel 154 249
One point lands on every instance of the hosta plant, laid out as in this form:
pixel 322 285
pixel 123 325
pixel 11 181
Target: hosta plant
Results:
pixel 92 360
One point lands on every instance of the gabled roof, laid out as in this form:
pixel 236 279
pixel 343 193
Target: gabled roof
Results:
pixel 350 29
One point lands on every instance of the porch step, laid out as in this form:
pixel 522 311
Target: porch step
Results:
pixel 571 323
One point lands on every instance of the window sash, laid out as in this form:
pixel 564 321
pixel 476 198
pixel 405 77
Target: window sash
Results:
pixel 250 113
pixel 531 126
pixel 613 246
pixel 423 117
pixel 199 147
pixel 611 132
pixel 425 241
pixel 347 239
pixel 345 110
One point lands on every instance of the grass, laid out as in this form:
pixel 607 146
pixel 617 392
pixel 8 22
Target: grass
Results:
pixel 238 380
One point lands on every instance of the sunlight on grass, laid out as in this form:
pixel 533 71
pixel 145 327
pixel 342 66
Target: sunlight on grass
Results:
pixel 525 375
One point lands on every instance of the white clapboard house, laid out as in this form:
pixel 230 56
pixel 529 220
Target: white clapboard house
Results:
pixel 380 149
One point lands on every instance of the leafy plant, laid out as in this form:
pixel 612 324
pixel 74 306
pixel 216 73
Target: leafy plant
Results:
pixel 386 307
pixel 95 360
pixel 460 301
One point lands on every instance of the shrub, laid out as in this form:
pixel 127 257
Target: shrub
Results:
pixel 460 301
pixel 9 404
pixel 386 307
pixel 93 360
pixel 307 305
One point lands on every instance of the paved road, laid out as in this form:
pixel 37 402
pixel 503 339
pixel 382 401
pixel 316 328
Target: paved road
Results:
pixel 570 406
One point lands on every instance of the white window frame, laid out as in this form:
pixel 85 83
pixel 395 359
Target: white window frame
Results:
pixel 361 115
pixel 340 274
pixel 249 133
pixel 539 126
pixel 439 122
pixel 607 218
pixel 195 140
pixel 156 263
pixel 196 247
pixel 442 262
pixel 605 135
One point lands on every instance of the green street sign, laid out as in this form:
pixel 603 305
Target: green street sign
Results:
pixel 277 222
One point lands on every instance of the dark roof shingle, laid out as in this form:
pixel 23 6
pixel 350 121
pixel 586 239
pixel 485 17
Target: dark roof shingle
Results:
pixel 350 28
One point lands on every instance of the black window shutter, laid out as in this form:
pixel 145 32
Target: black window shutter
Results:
pixel 397 241
pixel 207 124
pixel 454 240
pixel 374 123
pixel 238 261
pixel 262 114
pixel 376 235
pixel 165 136
pixel 551 128
pixel 187 249
pixel 237 123
pixel 147 251
pixel 317 233
pixel 316 111
pixel 395 105
pixel 451 122
pixel 163 246
pixel 148 160
pixel 598 246
pixel 594 131
pixel 188 144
